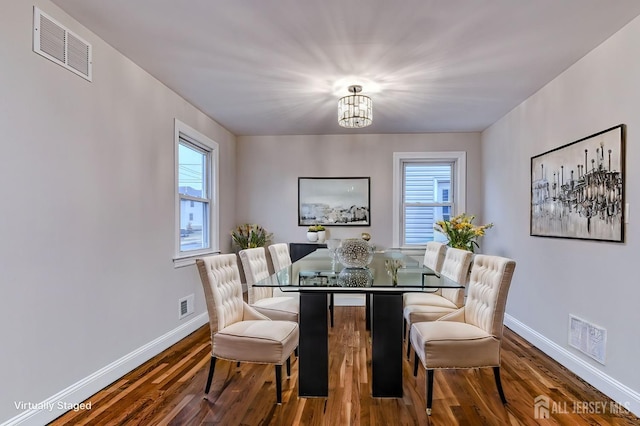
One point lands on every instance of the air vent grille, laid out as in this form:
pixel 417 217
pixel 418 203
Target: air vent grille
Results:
pixel 78 52
pixel 52 39
pixel 185 306
pixel 57 43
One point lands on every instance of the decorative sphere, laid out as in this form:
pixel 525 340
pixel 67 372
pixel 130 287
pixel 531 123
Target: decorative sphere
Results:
pixel 355 253
pixel 355 277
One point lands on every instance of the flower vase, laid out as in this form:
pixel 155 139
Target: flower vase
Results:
pixel 312 237
pixel 322 235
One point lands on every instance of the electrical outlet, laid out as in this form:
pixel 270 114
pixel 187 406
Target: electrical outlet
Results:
pixel 626 213
pixel 588 338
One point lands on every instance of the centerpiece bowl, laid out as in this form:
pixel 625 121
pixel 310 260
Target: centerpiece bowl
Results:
pixel 355 253
pixel 355 277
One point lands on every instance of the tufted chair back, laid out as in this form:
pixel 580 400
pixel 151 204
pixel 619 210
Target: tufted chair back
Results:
pixel 434 256
pixel 222 290
pixel 280 256
pixel 488 289
pixel 456 267
pixel 256 268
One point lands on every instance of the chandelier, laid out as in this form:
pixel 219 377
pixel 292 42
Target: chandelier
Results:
pixel 355 111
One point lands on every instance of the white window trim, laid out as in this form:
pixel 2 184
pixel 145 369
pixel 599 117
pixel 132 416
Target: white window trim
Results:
pixel 460 160
pixel 193 136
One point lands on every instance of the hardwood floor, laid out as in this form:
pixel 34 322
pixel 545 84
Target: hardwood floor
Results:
pixel 169 390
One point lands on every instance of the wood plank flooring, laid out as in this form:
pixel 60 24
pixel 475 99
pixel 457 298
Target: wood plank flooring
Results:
pixel 169 390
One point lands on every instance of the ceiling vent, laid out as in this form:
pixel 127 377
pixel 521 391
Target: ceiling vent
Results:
pixel 55 42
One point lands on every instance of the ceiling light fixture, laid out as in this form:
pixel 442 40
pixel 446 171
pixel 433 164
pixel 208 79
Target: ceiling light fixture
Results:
pixel 355 111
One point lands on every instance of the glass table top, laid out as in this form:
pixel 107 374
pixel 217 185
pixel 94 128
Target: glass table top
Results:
pixel 319 271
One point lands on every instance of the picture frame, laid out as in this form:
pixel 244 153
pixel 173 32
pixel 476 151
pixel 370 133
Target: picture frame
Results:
pixel 334 201
pixel 578 191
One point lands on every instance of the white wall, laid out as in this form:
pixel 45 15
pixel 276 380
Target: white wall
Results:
pixel 269 167
pixel 86 211
pixel 556 277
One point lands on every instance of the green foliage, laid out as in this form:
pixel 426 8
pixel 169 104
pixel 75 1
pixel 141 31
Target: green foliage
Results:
pixel 250 235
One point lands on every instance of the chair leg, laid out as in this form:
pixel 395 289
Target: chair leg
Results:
pixel 289 366
pixel 212 367
pixel 404 329
pixel 408 349
pixel 279 384
pixel 415 365
pixel 238 364
pixel 295 352
pixel 496 373
pixel 429 390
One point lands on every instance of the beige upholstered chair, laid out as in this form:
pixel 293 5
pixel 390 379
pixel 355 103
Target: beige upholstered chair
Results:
pixel 254 263
pixel 431 306
pixel 280 259
pixel 434 255
pixel 469 337
pixel 433 259
pixel 238 332
pixel 280 256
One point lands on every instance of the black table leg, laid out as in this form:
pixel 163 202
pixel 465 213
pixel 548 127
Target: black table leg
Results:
pixel 331 306
pixel 367 313
pixel 313 363
pixel 387 345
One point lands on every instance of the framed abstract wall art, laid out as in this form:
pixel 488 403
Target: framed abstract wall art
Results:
pixel 577 190
pixel 334 201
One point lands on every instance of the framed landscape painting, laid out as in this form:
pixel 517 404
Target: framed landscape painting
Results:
pixel 334 201
pixel 577 190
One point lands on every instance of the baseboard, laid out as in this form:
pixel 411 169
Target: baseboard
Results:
pixel 53 407
pixel 620 393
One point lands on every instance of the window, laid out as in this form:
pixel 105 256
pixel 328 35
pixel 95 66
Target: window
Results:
pixel 428 187
pixel 196 194
pixel 446 210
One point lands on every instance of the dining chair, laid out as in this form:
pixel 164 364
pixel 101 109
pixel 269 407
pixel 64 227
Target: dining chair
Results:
pixel 239 333
pixel 262 299
pixel 433 259
pixel 281 258
pixel 469 337
pixel 431 306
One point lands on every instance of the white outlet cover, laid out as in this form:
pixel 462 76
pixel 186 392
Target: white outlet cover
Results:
pixel 626 213
pixel 588 338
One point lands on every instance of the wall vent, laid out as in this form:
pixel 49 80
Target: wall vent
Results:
pixel 588 338
pixel 57 43
pixel 185 306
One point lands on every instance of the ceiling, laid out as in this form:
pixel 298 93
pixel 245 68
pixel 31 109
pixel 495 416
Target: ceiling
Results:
pixel 277 67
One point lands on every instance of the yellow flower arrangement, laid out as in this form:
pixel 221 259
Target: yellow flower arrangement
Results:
pixel 461 232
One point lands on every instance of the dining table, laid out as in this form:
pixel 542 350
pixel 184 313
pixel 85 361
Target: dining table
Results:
pixel 318 275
